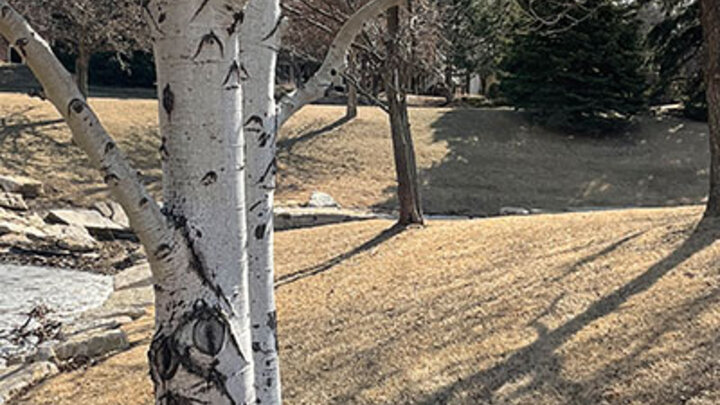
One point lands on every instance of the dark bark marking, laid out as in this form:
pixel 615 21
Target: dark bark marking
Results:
pixel 111 179
pixel 21 43
pixel 333 72
pixel 272 320
pixel 143 202
pixel 264 139
pixel 5 11
pixel 200 9
pixel 209 39
pixel 209 334
pixel 260 231
pixel 234 71
pixel 209 179
pixel 76 105
pixel 168 100
pixel 109 147
pixel 163 252
pixel 145 6
pixel 163 358
pixel 275 29
pixel 270 171
pixel 163 149
pixel 254 119
pixel 252 207
pixel 238 18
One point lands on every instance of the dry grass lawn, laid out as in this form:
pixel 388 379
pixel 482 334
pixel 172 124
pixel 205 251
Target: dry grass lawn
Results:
pixel 471 161
pixel 603 308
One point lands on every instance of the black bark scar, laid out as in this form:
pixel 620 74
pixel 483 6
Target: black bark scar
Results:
pixel 5 11
pixel 200 9
pixel 238 18
pixel 275 28
pixel 20 44
pixel 209 179
pixel 168 100
pixel 76 105
pixel 234 71
pixel 271 170
pixel 209 38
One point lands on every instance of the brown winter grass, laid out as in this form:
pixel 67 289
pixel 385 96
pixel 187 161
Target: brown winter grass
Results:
pixel 471 161
pixel 605 308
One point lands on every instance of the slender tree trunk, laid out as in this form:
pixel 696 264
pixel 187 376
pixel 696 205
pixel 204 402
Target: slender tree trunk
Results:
pixel 403 148
pixel 82 69
pixel 711 30
pixel 261 40
pixel 201 351
pixel 352 101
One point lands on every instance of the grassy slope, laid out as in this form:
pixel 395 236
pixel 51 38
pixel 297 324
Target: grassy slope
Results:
pixel 614 307
pixel 471 161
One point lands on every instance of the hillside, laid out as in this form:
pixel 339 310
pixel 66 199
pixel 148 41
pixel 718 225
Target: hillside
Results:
pixel 604 308
pixel 472 161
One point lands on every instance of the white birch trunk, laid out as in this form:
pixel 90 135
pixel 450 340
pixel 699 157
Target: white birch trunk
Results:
pixel 260 42
pixel 201 352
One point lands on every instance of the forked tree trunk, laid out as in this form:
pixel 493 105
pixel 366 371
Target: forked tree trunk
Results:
pixel 201 351
pixel 403 149
pixel 82 69
pixel 260 37
pixel 711 30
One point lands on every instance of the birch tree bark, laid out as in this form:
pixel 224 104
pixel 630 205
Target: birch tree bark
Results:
pixel 711 31
pixel 260 38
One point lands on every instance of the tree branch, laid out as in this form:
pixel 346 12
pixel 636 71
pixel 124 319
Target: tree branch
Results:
pixel 335 62
pixel 145 216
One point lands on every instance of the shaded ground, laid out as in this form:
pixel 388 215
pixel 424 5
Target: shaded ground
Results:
pixel 472 161
pixel 602 308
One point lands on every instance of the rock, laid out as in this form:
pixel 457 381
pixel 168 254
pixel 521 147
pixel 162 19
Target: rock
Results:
pixel 293 218
pixel 27 187
pixel 133 277
pixel 514 211
pixel 98 226
pixel 92 344
pixel 88 325
pixel 12 201
pixel 322 200
pixel 113 211
pixel 15 380
pixel 72 238
pixel 10 223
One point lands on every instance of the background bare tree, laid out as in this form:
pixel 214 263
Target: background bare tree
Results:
pixel 85 27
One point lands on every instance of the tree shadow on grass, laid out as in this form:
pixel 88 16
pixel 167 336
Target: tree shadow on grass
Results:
pixel 379 239
pixel 539 362
pixel 286 145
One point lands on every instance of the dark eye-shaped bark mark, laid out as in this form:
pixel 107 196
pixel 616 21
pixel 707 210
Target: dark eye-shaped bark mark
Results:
pixel 209 334
pixel 209 178
pixel 161 18
pixel 168 101
pixel 111 179
pixel 163 252
pixel 76 105
pixel 209 39
pixel 163 358
pixel 238 18
pixel 5 11
pixel 234 71
pixel 260 231
pixel 143 202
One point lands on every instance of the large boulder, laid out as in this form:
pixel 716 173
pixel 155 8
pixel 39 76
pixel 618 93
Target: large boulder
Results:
pixel 27 187
pixel 98 226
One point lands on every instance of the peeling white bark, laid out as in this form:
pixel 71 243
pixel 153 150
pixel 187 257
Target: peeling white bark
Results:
pixel 260 42
pixel 336 60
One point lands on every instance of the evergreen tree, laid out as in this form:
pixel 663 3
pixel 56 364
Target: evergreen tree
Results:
pixel 581 71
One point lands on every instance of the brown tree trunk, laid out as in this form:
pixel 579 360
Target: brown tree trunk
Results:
pixel 711 30
pixel 82 68
pixel 403 148
pixel 352 102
